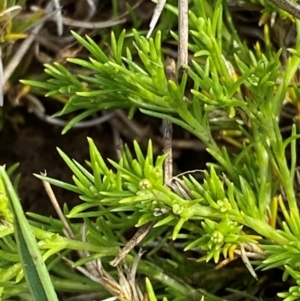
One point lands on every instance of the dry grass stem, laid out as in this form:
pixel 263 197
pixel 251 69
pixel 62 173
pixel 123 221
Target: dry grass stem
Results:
pixel 156 14
pixel 170 69
pixel 58 17
pixel 22 50
pixel 183 33
pixel 69 233
pixel 133 242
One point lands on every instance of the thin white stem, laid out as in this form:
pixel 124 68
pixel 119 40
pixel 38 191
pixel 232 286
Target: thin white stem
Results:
pixel 183 33
pixel 58 16
pixel 69 233
pixel 156 14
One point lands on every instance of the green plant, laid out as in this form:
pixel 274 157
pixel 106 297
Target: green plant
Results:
pixel 245 205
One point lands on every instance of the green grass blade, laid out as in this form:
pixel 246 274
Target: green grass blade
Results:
pixel 35 270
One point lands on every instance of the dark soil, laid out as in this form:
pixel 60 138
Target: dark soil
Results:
pixel 34 144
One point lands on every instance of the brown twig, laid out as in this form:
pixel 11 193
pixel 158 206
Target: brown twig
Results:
pixel 134 241
pixel 170 70
pixel 288 6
